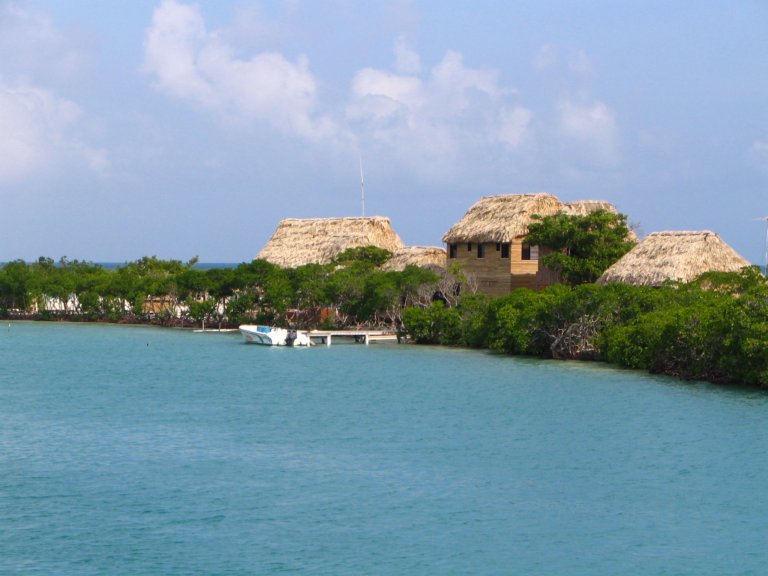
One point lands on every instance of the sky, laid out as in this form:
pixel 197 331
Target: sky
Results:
pixel 183 129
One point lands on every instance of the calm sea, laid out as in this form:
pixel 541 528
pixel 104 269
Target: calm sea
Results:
pixel 148 451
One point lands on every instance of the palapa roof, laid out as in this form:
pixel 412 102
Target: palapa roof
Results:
pixel 505 217
pixel 678 256
pixel 297 242
pixel 501 218
pixel 585 207
pixel 421 256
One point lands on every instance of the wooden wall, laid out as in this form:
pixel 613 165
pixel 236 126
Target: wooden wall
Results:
pixel 497 276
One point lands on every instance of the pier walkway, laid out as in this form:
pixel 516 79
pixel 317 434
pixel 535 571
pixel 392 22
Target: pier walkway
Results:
pixel 360 336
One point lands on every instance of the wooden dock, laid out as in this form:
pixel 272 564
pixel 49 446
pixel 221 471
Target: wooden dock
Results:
pixel 358 336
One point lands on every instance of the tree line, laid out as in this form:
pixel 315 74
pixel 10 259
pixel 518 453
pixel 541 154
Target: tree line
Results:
pixel 715 328
pixel 351 290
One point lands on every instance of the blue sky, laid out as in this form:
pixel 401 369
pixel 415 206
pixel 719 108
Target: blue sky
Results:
pixel 181 129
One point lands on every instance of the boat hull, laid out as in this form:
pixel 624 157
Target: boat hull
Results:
pixel 270 336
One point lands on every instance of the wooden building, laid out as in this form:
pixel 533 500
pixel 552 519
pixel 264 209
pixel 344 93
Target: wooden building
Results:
pixel 489 241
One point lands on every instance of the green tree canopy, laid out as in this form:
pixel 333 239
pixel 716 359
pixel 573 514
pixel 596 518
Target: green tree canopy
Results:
pixel 371 254
pixel 583 246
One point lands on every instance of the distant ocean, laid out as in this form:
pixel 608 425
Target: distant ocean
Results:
pixel 199 265
pixel 144 451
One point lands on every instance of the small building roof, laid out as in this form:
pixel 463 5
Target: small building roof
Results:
pixel 585 207
pixel 501 218
pixel 505 217
pixel 674 255
pixel 421 256
pixel 297 242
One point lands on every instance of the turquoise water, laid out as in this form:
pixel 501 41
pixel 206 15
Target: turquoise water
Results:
pixel 149 451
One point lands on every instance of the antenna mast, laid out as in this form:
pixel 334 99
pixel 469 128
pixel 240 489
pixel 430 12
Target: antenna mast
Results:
pixel 766 244
pixel 362 185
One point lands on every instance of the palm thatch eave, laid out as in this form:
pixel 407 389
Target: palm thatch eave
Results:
pixel 431 257
pixel 300 241
pixel 679 256
pixel 501 218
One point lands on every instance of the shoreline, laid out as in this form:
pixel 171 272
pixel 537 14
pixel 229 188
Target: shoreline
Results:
pixel 410 341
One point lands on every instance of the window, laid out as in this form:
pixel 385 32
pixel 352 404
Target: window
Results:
pixel 469 246
pixel 452 250
pixel 530 252
pixel 481 250
pixel 505 250
pixel 498 246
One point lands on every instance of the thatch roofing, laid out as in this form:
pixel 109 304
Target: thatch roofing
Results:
pixel 585 207
pixel 679 256
pixel 501 218
pixel 318 240
pixel 421 256
pixel 505 217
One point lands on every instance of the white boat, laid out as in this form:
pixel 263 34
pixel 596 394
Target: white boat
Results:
pixel 271 336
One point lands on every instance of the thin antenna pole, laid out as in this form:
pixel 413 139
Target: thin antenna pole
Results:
pixel 362 185
pixel 766 245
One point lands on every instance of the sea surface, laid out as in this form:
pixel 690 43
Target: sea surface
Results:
pixel 133 450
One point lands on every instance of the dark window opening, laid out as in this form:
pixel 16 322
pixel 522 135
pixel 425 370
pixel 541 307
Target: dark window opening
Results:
pixel 481 250
pixel 498 246
pixel 469 246
pixel 526 251
pixel 505 250
pixel 452 250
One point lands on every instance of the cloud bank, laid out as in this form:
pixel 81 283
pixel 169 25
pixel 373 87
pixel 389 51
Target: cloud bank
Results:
pixel 435 117
pixel 191 63
pixel 39 129
pixel 416 116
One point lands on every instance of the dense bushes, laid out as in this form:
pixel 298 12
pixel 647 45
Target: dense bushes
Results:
pixel 351 290
pixel 713 329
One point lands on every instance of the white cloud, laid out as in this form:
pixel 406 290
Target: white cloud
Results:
pixel 193 64
pixel 32 48
pixel 40 129
pixel 593 126
pixel 406 60
pixel 437 118
pixel 513 126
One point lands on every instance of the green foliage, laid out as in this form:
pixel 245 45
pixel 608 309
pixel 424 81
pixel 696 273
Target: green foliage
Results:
pixel 436 324
pixel 14 286
pixel 373 255
pixel 154 290
pixel 473 309
pixel 583 246
pixel 715 328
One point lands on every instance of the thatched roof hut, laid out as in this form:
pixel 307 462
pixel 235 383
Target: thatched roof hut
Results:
pixel 501 218
pixel 297 242
pixel 679 256
pixel 585 207
pixel 421 256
